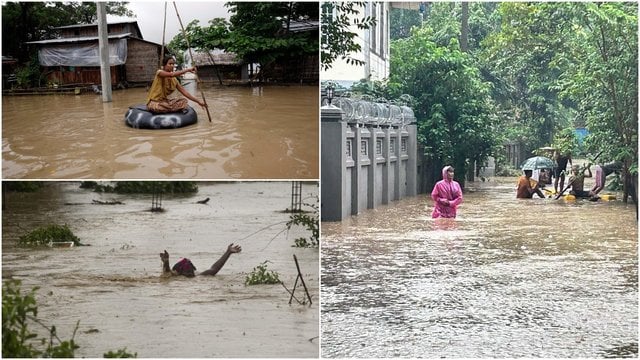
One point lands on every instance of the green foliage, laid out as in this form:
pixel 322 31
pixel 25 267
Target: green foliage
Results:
pixel 17 339
pixel 23 186
pixel 145 187
pixel 51 233
pixel 258 31
pixel 337 39
pixel 121 353
pixel 260 275
pixel 311 221
pixel 453 106
pixel 402 21
pixel 566 142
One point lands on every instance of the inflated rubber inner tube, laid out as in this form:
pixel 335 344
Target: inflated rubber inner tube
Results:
pixel 140 118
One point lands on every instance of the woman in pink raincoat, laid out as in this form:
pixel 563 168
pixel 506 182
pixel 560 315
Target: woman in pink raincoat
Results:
pixel 447 195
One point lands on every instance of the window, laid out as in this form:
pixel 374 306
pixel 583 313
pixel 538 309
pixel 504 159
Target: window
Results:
pixel 403 145
pixel 349 154
pixel 363 147
pixel 378 146
pixel 392 146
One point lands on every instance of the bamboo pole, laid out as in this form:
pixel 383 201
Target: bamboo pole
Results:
pixel 164 28
pixel 184 33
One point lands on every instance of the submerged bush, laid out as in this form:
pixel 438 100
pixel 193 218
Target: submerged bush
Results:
pixel 17 339
pixel 143 187
pixel 260 275
pixel 121 353
pixel 48 234
pixel 311 222
pixel 18 311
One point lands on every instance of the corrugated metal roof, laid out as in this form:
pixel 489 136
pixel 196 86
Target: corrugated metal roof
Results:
pixel 219 57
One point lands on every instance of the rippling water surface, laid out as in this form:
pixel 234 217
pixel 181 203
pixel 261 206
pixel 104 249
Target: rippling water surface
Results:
pixel 115 290
pixel 508 278
pixel 256 133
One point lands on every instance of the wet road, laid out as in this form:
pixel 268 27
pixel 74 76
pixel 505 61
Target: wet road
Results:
pixel 508 278
pixel 115 290
pixel 256 133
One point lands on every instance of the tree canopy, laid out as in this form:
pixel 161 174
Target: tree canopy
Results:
pixel 258 32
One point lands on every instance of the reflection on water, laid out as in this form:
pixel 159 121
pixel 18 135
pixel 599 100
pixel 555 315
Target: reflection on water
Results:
pixel 255 133
pixel 508 278
pixel 115 289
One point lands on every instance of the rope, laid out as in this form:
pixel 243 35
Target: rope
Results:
pixel 184 34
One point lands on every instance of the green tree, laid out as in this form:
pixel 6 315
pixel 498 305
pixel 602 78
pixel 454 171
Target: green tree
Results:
pixel 452 102
pixel 338 39
pixel 601 77
pixel 260 31
pixel 214 36
pixel 402 21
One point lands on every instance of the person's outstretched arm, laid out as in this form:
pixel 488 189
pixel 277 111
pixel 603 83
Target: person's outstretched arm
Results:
pixel 231 249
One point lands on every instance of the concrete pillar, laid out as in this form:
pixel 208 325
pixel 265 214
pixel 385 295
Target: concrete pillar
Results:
pixel 103 44
pixel 412 162
pixel 334 165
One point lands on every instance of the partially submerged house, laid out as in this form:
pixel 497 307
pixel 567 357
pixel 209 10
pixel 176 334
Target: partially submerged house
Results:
pixel 74 58
pixel 218 65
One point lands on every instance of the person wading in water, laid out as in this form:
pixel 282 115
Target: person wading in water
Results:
pixel 447 195
pixel 186 268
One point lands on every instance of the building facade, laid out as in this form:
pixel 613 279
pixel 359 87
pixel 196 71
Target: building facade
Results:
pixel 374 44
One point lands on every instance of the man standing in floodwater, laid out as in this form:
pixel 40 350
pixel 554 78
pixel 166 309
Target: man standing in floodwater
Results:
pixel 446 194
pixel 166 83
pixel 524 189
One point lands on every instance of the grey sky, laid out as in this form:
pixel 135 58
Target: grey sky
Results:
pixel 150 16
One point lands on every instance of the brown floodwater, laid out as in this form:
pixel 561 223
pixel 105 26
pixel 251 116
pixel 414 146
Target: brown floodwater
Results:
pixel 255 133
pixel 115 290
pixel 507 278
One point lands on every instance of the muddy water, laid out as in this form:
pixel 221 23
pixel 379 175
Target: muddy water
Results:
pixel 115 290
pixel 255 133
pixel 508 278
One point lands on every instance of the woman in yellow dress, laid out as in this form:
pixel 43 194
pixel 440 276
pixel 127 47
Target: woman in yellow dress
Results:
pixel 166 83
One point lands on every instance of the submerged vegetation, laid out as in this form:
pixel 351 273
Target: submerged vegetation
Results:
pixel 260 276
pixel 18 341
pixel 143 187
pixel 311 221
pixel 47 234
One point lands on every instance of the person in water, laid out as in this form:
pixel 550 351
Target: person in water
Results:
pixel 561 162
pixel 186 268
pixel 525 189
pixel 602 171
pixel 446 194
pixel 166 83
pixel 577 182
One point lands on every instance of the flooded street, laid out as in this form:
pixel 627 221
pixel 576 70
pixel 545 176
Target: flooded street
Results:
pixel 256 133
pixel 508 278
pixel 115 290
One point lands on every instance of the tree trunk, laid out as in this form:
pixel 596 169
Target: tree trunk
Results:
pixel 464 30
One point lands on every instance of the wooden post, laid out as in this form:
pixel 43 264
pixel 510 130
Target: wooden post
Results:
pixel 103 44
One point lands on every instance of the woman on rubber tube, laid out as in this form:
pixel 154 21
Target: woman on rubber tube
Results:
pixel 166 83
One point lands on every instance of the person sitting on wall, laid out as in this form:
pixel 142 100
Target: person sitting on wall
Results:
pixel 164 84
pixel 527 187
